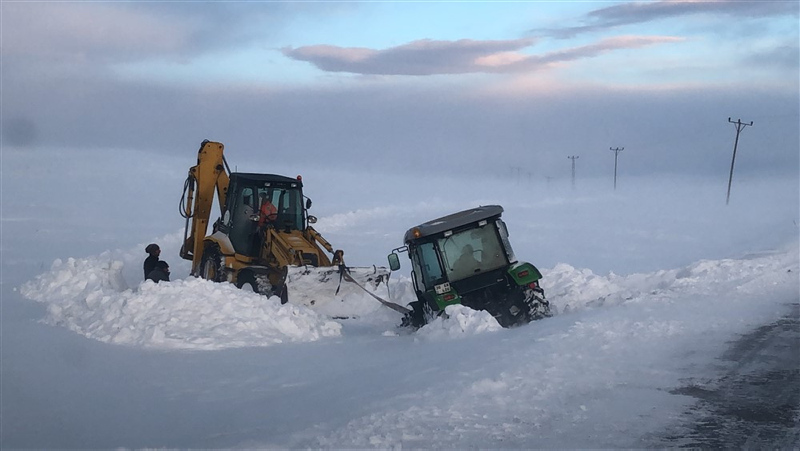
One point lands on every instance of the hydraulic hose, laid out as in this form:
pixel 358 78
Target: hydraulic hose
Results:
pixel 187 185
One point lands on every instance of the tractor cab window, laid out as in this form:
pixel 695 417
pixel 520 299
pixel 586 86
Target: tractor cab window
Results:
pixel 471 252
pixel 426 266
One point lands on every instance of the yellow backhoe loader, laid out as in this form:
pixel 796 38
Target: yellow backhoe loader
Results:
pixel 266 249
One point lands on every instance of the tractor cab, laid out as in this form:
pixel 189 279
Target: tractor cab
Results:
pixel 466 258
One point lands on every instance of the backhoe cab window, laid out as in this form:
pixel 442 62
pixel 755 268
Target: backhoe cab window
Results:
pixel 289 204
pixel 471 252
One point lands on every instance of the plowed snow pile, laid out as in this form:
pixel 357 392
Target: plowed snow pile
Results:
pixel 90 297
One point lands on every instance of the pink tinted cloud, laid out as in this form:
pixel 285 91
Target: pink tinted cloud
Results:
pixel 427 57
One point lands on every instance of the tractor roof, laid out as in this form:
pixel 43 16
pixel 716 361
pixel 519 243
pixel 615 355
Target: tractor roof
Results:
pixel 452 221
pixel 260 178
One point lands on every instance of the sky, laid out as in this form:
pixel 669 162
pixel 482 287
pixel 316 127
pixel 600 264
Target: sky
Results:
pixel 472 88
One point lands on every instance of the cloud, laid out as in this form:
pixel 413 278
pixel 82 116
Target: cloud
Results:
pixel 422 57
pixel 88 32
pixel 641 12
pixel 441 126
pixel 607 45
pixel 785 56
pixel 58 91
pixel 428 57
pixel 114 32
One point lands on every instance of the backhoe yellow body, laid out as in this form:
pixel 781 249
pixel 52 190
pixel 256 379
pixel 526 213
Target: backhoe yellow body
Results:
pixel 246 253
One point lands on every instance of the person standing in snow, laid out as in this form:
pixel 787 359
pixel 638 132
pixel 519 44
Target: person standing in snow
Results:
pixel 150 262
pixel 161 272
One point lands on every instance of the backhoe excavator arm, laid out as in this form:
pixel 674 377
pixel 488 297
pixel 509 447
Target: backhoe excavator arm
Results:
pixel 338 255
pixel 210 175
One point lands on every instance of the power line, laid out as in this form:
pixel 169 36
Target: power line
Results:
pixel 739 127
pixel 616 152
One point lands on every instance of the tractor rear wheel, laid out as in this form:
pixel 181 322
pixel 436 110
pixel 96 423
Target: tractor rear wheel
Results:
pixel 539 307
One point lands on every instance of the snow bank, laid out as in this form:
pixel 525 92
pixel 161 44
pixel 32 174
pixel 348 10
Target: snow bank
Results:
pixel 571 289
pixel 459 321
pixel 90 297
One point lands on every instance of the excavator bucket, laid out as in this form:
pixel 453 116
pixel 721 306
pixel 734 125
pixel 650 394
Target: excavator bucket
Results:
pixel 336 291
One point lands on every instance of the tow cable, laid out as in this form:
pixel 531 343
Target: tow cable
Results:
pixel 344 273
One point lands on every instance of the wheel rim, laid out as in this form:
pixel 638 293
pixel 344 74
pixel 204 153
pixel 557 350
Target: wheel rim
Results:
pixel 248 287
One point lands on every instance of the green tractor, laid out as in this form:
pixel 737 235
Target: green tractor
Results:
pixel 466 258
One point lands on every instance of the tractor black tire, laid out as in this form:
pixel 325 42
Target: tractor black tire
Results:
pixel 211 264
pixel 539 306
pixel 523 305
pixel 419 315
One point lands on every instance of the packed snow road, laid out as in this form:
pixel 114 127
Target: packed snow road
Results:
pixel 755 403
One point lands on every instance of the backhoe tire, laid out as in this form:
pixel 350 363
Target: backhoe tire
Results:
pixel 211 264
pixel 247 282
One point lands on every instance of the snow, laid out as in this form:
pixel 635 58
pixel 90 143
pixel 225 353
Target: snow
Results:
pixel 650 286
pixel 90 296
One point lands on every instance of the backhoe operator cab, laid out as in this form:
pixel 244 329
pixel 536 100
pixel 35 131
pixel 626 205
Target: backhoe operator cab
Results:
pixel 241 217
pixel 466 258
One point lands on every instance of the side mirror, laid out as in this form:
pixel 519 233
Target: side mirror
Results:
pixel 394 261
pixel 312 219
pixel 308 203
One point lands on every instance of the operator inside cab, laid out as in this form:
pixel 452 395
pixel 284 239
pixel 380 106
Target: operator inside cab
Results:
pixel 268 213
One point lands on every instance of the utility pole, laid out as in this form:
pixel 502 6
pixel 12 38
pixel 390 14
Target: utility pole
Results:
pixel 739 127
pixel 616 152
pixel 573 158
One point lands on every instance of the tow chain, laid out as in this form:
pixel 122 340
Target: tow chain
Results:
pixel 344 273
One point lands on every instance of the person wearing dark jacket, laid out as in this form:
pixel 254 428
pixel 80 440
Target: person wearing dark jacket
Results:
pixel 161 272
pixel 150 262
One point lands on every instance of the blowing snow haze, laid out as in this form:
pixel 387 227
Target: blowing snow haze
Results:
pixel 433 87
